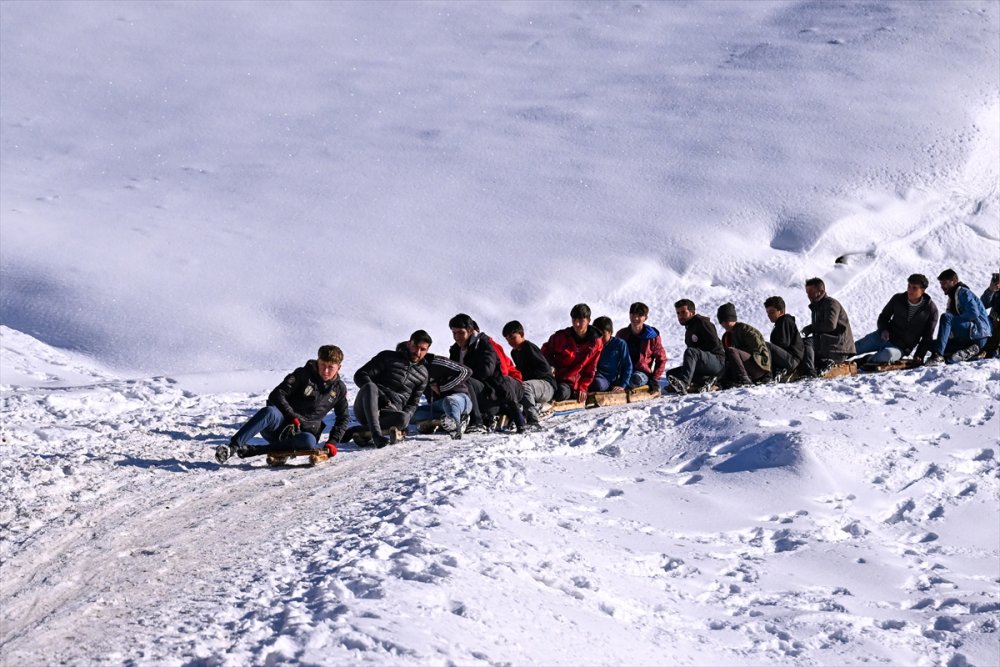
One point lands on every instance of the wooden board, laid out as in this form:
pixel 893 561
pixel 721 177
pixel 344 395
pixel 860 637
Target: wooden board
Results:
pixel 315 456
pixel 903 364
pixel 640 394
pixel 603 399
pixel 559 407
pixel 841 370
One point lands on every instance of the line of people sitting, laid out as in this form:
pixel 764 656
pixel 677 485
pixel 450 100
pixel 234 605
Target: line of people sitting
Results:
pixel 477 383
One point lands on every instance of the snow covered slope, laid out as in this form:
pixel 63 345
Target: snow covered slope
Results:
pixel 826 522
pixel 218 186
pixel 194 196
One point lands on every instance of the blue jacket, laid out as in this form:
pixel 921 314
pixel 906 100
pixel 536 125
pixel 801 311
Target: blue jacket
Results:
pixel 615 365
pixel 964 303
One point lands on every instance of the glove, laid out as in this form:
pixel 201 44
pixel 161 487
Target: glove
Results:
pixel 291 430
pixel 331 447
pixel 654 386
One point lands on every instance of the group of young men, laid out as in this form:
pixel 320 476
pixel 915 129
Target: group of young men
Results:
pixel 477 383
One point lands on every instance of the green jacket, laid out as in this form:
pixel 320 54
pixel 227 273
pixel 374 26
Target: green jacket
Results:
pixel 745 337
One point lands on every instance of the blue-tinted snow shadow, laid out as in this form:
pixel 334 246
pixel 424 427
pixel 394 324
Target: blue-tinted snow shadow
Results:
pixel 777 450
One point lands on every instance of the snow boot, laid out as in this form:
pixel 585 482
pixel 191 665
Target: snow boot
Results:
pixel 965 354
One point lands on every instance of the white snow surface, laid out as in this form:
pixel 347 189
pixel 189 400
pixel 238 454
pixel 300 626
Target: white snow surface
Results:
pixel 194 196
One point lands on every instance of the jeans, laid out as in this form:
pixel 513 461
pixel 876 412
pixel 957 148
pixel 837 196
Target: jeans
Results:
pixel 956 333
pixel 455 406
pixel 599 384
pixel 885 352
pixel 638 379
pixel 268 422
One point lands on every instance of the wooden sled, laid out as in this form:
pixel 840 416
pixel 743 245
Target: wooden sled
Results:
pixel 640 394
pixel 315 456
pixel 604 399
pixel 565 407
pixel 846 369
pixel 902 364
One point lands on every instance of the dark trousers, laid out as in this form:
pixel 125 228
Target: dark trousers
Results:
pixel 740 366
pixel 810 362
pixel 781 359
pixel 373 411
pixel 698 364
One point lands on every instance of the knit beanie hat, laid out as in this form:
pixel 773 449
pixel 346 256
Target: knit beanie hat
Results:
pixel 727 313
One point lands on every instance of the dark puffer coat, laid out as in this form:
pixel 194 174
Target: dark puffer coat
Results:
pixel 400 382
pixel 304 396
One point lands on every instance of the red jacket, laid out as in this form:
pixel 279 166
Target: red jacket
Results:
pixel 646 350
pixel 507 366
pixel 574 361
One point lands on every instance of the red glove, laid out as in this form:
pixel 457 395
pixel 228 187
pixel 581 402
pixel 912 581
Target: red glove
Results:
pixel 332 448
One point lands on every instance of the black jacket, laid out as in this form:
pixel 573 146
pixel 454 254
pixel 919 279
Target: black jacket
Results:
pixel 786 336
pixel 699 332
pixel 533 364
pixel 905 334
pixel 448 375
pixel 482 359
pixel 400 382
pixel 304 396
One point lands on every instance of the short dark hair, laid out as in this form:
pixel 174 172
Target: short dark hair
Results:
pixel 420 336
pixel 461 321
pixel 775 302
pixel 512 327
pixel 948 274
pixel 685 303
pixel 330 353
pixel 918 279
pixel 638 308
pixel 581 311
pixel 816 282
pixel 603 323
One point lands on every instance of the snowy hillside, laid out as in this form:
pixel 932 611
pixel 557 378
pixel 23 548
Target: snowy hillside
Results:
pixel 828 522
pixel 194 196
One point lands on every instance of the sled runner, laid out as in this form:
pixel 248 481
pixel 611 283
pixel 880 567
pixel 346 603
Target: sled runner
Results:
pixel 315 456
pixel 876 367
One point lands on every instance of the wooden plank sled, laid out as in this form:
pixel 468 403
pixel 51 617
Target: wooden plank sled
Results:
pixel 640 394
pixel 315 456
pixel 845 369
pixel 603 399
pixel 562 407
pixel 902 364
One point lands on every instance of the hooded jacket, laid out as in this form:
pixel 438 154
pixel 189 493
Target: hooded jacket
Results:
pixel 785 335
pixel 645 350
pixel 963 303
pixel 532 363
pixel 917 331
pixel 574 360
pixel 400 381
pixel 700 333
pixel 304 396
pixel 614 364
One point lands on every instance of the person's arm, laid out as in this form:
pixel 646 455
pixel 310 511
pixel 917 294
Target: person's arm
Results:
pixel 279 395
pixel 659 360
pixel 624 369
pixel 927 336
pixel 885 319
pixel 458 374
pixel 369 371
pixel 342 417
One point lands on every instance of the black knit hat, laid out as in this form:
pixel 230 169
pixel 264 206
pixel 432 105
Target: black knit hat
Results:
pixel 727 313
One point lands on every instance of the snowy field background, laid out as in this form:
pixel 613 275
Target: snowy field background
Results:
pixel 194 196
